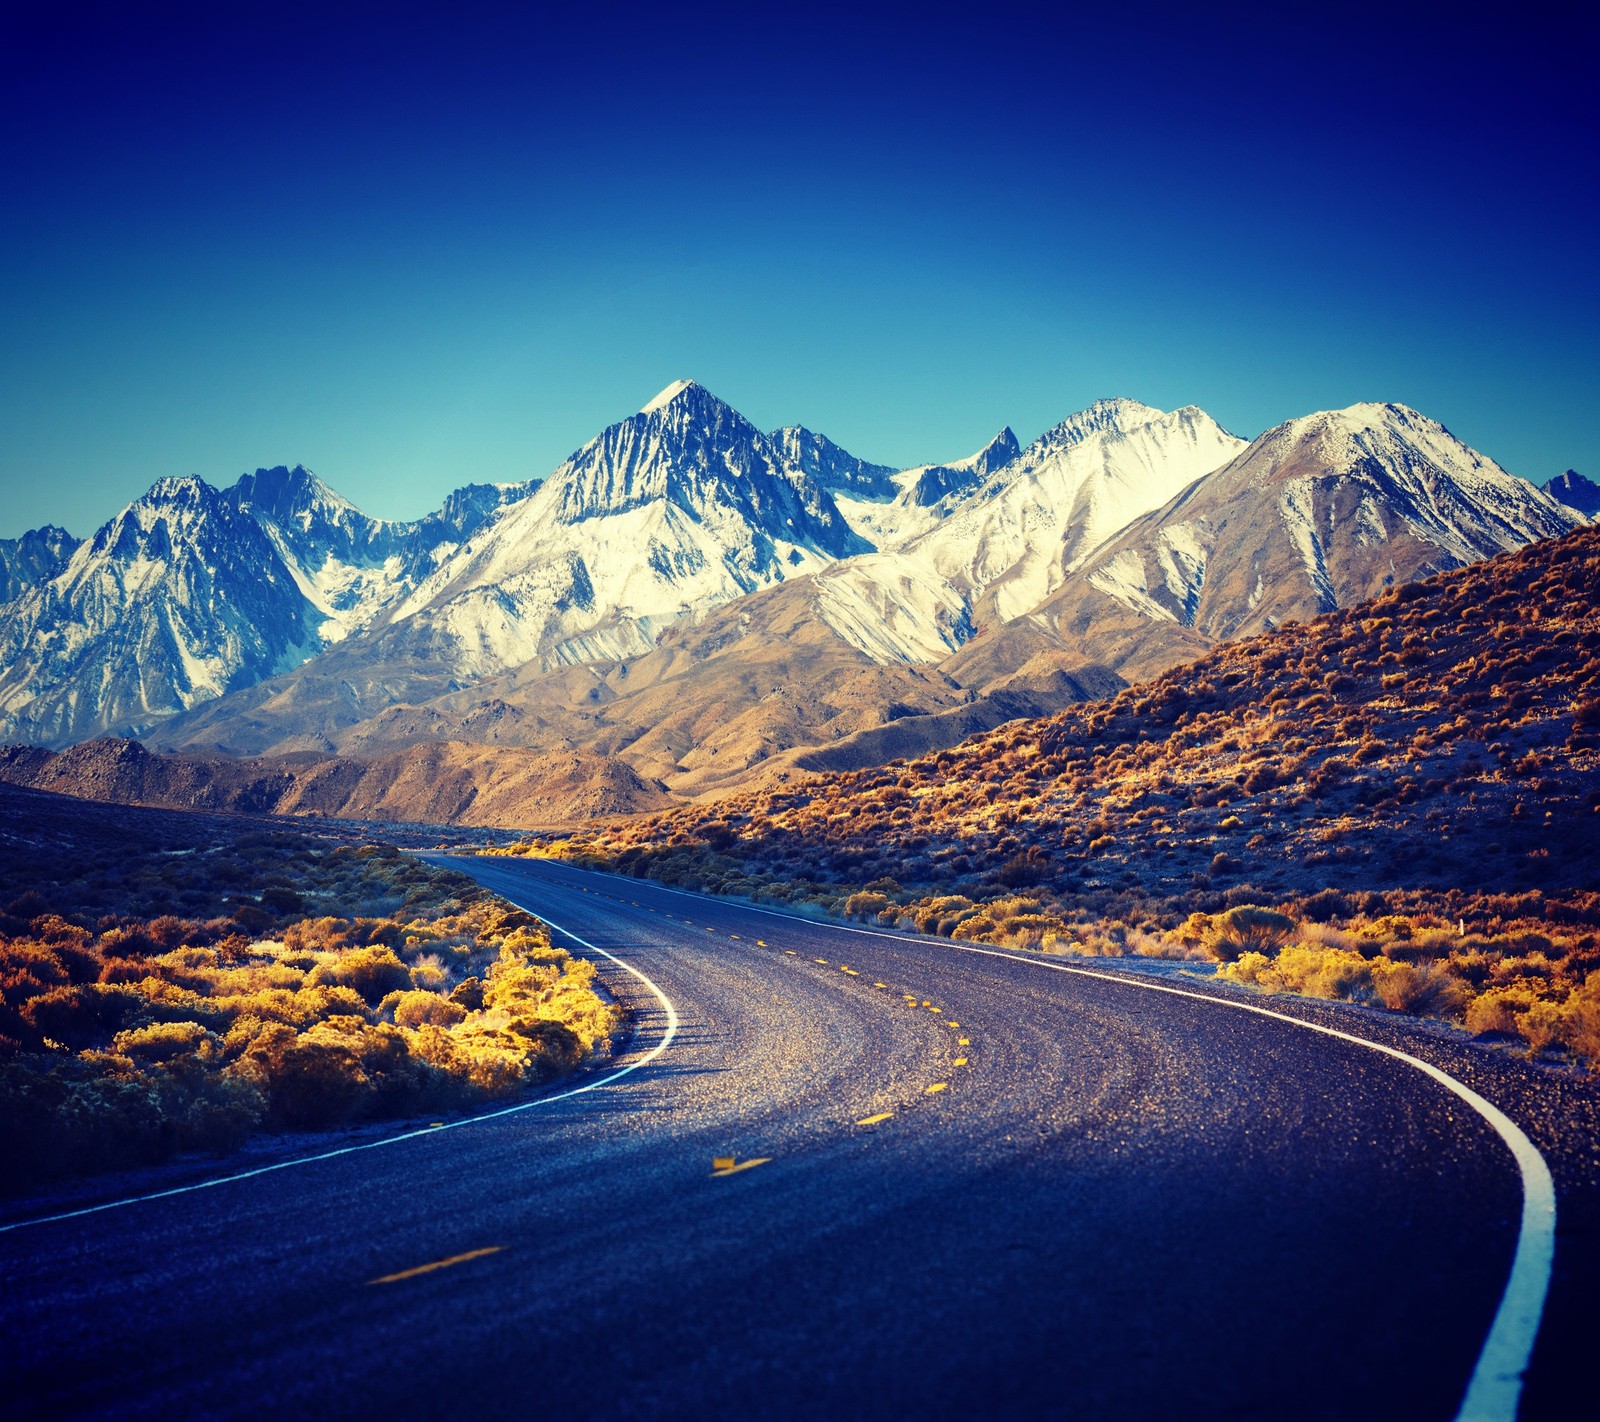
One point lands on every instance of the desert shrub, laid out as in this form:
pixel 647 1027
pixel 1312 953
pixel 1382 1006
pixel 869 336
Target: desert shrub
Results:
pixel 127 942
pixel 1033 864
pixel 429 973
pixel 415 1009
pixel 867 905
pixel 980 928
pixel 1497 1009
pixel 930 913
pixel 164 1041
pixel 372 973
pixel 1305 968
pixel 78 1016
pixel 125 1037
pixel 1248 928
pixel 1544 1024
pixel 281 901
pixel 307 1083
pixel 1422 990
pixel 28 968
pixel 1581 1019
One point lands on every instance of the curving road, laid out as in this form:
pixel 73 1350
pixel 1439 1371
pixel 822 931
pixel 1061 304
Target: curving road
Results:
pixel 984 1188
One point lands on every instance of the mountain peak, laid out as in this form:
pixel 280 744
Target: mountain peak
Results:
pixel 1363 415
pixel 1118 414
pixel 1380 412
pixel 1575 491
pixel 671 393
pixel 282 476
pixel 282 493
pixel 832 466
pixel 177 488
pixel 999 452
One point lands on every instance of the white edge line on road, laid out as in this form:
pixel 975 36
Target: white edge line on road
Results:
pixel 1496 1385
pixel 650 1056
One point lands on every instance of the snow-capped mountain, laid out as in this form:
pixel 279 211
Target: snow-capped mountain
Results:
pixel 192 592
pixel 1034 521
pixel 1576 492
pixel 666 514
pixel 907 502
pixel 932 485
pixel 349 566
pixel 993 552
pixel 178 599
pixel 38 555
pixel 835 469
pixel 1319 512
pixel 276 615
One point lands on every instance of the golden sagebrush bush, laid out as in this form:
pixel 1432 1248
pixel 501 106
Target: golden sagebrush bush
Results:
pixel 123 1039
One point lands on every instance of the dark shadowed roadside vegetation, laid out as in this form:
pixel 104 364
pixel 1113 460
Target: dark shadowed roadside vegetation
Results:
pixel 173 983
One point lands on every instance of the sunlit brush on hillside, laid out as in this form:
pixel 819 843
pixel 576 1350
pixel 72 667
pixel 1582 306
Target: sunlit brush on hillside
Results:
pixel 1414 781
pixel 219 981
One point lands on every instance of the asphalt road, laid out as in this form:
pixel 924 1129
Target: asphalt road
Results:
pixel 988 1189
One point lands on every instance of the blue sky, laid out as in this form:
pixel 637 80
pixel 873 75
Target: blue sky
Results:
pixel 413 248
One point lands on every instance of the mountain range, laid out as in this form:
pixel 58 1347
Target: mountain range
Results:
pixel 688 603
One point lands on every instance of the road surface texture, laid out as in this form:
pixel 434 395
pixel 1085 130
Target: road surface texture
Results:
pixel 985 1189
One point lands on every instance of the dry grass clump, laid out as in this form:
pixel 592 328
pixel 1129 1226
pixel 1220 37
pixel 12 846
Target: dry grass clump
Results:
pixel 313 986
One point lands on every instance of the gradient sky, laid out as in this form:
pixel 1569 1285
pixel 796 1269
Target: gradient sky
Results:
pixel 413 248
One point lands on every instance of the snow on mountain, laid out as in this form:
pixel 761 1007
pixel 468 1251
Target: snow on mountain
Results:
pixel 835 469
pixel 178 599
pixel 1319 512
pixel 1069 491
pixel 908 502
pixel 349 566
pixel 1125 536
pixel 666 397
pixel 191 592
pixel 668 513
pixel 1000 549
pixel 933 484
pixel 1576 492
pixel 37 555
pixel 1406 466
pixel 346 565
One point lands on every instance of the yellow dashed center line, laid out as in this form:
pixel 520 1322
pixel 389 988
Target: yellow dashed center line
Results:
pixel 823 961
pixel 961 1061
pixel 937 1086
pixel 964 1041
pixel 873 1120
pixel 437 1264
pixel 724 1165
